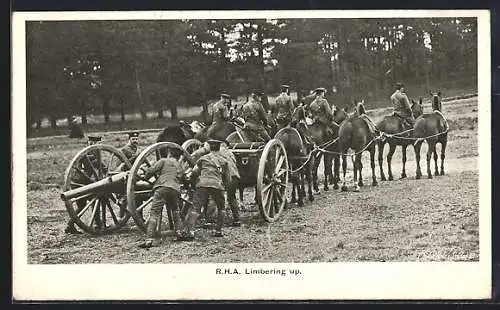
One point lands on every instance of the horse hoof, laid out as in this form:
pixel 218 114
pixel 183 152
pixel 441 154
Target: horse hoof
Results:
pixel 311 198
pixel 356 189
pixel 403 176
pixel 436 173
pixel 374 183
pixel 344 188
pixel 391 178
pixel 361 184
pixel 335 186
pixel 382 178
pixel 442 172
pixel 429 176
pixel 300 203
pixel 293 200
pixel 418 176
pixel 326 188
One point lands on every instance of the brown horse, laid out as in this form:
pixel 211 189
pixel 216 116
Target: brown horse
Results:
pixel 433 128
pixel 399 133
pixel 300 161
pixel 355 134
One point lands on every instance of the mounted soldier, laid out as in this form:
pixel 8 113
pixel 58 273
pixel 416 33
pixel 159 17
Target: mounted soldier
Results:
pixel 321 111
pixel 255 117
pixel 284 107
pixel 401 105
pixel 220 113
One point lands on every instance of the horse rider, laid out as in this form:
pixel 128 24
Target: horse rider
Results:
pixel 220 112
pixel 321 111
pixel 255 116
pixel 70 227
pixel 166 191
pixel 401 105
pixel 131 149
pixel 284 107
pixel 213 175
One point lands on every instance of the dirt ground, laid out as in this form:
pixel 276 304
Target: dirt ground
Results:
pixel 401 220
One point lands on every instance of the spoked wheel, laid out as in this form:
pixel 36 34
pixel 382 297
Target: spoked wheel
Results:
pixel 272 180
pixel 191 145
pixel 101 209
pixel 140 189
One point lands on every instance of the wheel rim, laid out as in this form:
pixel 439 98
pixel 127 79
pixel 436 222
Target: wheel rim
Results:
pixel 191 145
pixel 99 212
pixel 272 180
pixel 140 190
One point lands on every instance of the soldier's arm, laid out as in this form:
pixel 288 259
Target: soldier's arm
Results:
pixel 225 113
pixel 407 102
pixel 328 109
pixel 153 170
pixel 262 115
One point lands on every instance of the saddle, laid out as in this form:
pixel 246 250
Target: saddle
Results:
pixel 406 124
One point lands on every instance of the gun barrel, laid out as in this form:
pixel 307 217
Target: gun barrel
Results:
pixel 112 184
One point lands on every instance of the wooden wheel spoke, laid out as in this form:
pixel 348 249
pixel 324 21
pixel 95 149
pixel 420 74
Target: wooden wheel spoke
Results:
pixel 279 195
pixel 268 202
pixel 113 215
pixel 77 184
pixel 110 161
pixel 87 206
pixel 94 169
pixel 103 215
pixel 94 212
pixel 279 164
pixel 84 174
pixel 147 191
pixel 272 205
pixel 267 187
pixel 146 161
pixel 281 173
pixel 144 204
pixel 81 197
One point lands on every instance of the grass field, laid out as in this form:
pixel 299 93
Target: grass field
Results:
pixel 402 220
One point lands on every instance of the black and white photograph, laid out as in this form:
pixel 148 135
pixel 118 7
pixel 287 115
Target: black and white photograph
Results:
pixel 251 155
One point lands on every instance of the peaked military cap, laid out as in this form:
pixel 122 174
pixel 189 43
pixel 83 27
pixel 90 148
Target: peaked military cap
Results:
pixel 133 134
pixel 94 138
pixel 214 141
pixel 399 84
pixel 285 86
pixel 225 95
pixel 320 89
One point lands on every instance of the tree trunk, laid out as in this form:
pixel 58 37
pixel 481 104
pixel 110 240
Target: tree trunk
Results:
pixel 84 118
pixel 39 124
pixel 105 109
pixel 53 122
pixel 139 94
pixel 160 112
pixel 122 110
pixel 204 98
pixel 260 47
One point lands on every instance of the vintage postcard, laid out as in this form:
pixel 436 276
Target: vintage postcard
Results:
pixel 242 155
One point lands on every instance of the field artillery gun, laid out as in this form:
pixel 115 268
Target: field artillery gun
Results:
pixel 102 189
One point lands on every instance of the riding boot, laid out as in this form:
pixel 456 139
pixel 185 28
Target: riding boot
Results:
pixel 187 232
pixel 177 223
pixel 236 216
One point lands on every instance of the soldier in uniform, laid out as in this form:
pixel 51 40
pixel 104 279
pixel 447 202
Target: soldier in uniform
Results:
pixel 284 107
pixel 166 190
pixel 70 227
pixel 401 105
pixel 255 117
pixel 321 111
pixel 213 174
pixel 131 149
pixel 220 112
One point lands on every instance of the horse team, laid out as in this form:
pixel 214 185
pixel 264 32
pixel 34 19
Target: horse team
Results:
pixel 309 133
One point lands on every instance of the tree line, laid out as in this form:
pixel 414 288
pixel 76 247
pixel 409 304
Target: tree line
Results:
pixel 105 67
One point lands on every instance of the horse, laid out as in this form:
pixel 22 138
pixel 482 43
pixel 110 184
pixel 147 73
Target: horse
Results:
pixel 433 128
pixel 355 134
pixel 398 134
pixel 301 158
pixel 176 133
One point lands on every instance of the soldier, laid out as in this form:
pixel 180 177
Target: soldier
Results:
pixel 75 131
pixel 401 105
pixel 213 174
pixel 70 227
pixel 255 116
pixel 131 149
pixel 321 111
pixel 166 190
pixel 284 107
pixel 220 113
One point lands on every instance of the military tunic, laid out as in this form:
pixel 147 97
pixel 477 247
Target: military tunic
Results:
pixel 284 107
pixel 402 107
pixel 255 118
pixel 131 152
pixel 220 112
pixel 321 111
